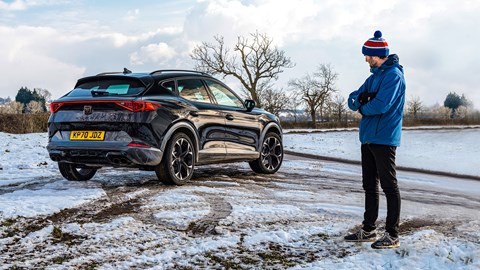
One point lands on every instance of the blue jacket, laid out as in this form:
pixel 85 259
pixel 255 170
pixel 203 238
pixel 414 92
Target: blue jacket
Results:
pixel 382 115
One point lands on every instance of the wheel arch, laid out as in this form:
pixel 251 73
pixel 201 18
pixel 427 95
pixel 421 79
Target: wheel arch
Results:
pixel 185 127
pixel 270 127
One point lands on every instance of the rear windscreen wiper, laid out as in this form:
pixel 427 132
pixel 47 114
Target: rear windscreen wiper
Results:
pixel 102 93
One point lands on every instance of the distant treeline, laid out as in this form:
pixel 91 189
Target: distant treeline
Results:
pixel 407 122
pixel 37 122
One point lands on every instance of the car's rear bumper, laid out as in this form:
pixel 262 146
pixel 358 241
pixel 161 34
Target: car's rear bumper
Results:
pixel 117 154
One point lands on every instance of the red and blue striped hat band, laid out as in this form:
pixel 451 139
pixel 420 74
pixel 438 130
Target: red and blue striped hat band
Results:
pixel 376 46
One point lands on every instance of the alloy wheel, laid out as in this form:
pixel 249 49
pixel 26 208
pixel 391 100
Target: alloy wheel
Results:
pixel 182 159
pixel 272 151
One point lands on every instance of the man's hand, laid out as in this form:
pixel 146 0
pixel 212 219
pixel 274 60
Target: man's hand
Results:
pixel 365 97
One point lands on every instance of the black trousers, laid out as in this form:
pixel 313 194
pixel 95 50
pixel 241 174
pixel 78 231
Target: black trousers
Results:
pixel 378 164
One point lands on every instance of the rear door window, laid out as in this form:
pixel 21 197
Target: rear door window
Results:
pixel 193 89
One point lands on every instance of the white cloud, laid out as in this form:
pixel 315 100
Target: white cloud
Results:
pixel 29 62
pixel 15 5
pixel 153 53
pixel 18 5
pixel 44 57
pixel 132 15
pixel 436 40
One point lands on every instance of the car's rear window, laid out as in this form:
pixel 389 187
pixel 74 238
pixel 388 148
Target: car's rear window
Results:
pixel 110 87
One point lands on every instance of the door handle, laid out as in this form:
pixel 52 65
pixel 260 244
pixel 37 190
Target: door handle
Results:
pixel 229 117
pixel 193 113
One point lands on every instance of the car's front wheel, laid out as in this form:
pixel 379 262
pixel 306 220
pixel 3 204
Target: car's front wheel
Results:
pixel 178 161
pixel 271 155
pixel 74 173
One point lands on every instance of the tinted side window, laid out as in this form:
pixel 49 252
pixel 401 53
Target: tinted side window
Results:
pixel 162 88
pixel 170 86
pixel 223 95
pixel 193 89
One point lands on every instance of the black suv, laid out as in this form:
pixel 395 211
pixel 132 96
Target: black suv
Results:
pixel 167 121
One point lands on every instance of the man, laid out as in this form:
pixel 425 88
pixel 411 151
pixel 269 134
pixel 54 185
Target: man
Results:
pixel 380 101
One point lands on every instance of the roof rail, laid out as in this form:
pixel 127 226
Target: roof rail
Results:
pixel 178 70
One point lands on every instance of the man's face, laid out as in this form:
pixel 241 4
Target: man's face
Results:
pixel 373 61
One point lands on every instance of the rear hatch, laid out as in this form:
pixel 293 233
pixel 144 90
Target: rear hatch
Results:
pixel 103 108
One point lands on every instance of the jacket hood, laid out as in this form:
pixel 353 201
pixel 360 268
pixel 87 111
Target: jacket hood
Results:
pixel 392 61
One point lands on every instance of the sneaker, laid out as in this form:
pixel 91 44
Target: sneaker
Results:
pixel 386 241
pixel 361 236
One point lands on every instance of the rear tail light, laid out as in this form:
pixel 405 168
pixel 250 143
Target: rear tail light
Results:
pixel 133 106
pixel 138 106
pixel 140 145
pixel 54 106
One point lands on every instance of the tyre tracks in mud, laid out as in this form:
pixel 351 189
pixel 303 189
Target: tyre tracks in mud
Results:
pixel 128 199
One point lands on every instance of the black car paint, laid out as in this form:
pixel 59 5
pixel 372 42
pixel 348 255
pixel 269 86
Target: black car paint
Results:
pixel 220 133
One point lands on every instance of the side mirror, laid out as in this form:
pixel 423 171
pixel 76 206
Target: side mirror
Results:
pixel 249 104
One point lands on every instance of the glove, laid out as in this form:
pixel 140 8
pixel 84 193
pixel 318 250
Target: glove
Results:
pixel 365 97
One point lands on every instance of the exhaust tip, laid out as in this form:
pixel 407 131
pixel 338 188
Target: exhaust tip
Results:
pixel 55 158
pixel 117 159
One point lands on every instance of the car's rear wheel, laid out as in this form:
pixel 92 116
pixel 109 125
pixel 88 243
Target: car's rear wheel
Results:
pixel 178 161
pixel 271 155
pixel 74 173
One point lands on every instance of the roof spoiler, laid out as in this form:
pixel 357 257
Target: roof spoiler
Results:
pixel 179 70
pixel 125 71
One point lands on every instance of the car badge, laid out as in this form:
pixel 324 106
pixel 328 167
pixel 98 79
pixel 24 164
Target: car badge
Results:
pixel 87 109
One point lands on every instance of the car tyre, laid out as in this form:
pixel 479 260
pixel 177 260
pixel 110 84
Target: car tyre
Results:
pixel 74 173
pixel 178 161
pixel 271 155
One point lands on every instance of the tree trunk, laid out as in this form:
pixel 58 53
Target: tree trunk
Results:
pixel 314 119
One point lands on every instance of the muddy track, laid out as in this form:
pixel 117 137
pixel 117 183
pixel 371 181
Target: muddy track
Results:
pixel 37 184
pixel 285 180
pixel 127 199
pixel 219 210
pixel 132 199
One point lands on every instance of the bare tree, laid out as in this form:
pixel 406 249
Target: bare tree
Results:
pixel 34 107
pixel 12 108
pixel 338 107
pixel 443 112
pixel 311 95
pixel 251 62
pixel 414 106
pixel 295 101
pixel 273 100
pixel 325 78
pixel 44 93
pixel 316 90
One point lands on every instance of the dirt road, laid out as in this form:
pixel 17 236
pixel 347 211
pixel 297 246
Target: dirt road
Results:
pixel 227 217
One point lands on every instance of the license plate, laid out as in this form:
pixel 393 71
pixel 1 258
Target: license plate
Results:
pixel 87 135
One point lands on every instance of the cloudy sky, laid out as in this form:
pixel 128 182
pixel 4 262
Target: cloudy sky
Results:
pixel 51 43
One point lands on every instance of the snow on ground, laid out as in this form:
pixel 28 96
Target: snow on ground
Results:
pixel 228 217
pixel 446 150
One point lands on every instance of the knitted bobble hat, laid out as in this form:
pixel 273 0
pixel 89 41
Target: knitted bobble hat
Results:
pixel 376 46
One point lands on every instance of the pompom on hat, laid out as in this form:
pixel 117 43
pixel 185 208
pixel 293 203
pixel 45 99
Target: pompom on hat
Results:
pixel 376 46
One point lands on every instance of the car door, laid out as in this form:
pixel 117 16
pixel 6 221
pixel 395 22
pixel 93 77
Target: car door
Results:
pixel 209 121
pixel 242 128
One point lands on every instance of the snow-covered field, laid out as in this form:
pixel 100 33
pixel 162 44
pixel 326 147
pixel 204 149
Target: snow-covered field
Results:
pixel 229 218
pixel 443 150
